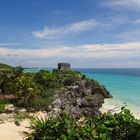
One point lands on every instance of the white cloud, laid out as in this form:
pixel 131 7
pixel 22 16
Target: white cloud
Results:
pixel 88 55
pixel 98 51
pixel 129 4
pixel 71 28
pixel 8 44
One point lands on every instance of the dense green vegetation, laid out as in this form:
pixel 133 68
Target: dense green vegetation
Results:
pixel 34 90
pixel 5 66
pixel 120 126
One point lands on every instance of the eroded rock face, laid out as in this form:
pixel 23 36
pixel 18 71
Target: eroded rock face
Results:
pixel 82 98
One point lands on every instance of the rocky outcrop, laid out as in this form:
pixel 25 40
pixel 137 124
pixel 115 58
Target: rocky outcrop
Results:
pixel 82 98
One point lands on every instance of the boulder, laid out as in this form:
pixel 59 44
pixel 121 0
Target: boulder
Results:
pixel 17 123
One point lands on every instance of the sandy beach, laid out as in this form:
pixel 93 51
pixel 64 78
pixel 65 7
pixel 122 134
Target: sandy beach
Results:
pixel 10 131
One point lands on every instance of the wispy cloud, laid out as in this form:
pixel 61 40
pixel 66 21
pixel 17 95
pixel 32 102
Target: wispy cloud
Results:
pixel 8 44
pixel 137 21
pixel 118 4
pixel 91 55
pixel 81 26
pixel 132 35
pixel 99 51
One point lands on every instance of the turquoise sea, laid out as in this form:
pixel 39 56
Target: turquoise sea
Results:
pixel 123 84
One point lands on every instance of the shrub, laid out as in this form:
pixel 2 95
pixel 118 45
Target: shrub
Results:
pixel 120 126
pixel 62 127
pixel 47 79
pixel 68 77
pixel 44 100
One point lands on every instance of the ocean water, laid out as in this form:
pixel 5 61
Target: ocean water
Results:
pixel 123 84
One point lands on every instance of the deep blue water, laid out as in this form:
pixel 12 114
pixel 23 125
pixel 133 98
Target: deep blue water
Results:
pixel 117 71
pixel 123 84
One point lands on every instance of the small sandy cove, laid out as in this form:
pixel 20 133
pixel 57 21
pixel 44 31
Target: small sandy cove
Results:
pixel 10 131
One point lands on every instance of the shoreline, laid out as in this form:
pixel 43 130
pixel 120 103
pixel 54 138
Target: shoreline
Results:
pixel 115 107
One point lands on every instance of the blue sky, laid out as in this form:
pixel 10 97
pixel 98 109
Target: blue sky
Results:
pixel 85 33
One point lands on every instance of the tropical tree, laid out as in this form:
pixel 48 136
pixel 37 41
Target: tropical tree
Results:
pixel 26 90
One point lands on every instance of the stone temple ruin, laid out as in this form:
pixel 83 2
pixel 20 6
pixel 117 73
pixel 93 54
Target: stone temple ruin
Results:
pixel 63 66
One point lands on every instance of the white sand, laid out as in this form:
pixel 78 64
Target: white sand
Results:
pixel 9 131
pixel 115 108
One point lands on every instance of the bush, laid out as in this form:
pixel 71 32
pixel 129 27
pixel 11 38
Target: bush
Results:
pixel 61 128
pixel 68 77
pixel 47 79
pixel 120 126
pixel 44 100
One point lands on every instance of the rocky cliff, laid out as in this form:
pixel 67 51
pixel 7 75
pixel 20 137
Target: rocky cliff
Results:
pixel 83 97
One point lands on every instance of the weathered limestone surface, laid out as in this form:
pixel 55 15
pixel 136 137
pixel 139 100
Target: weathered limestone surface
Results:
pixel 83 98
